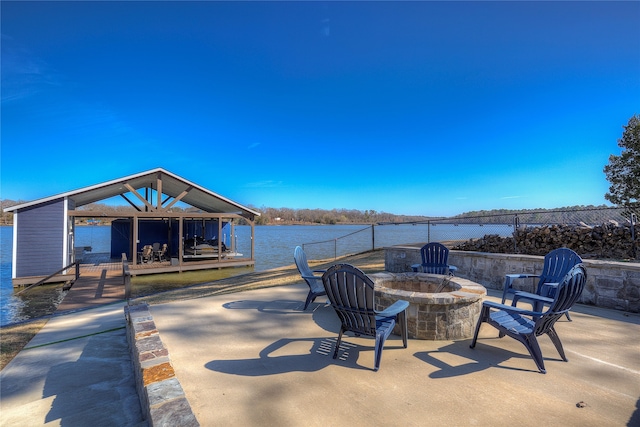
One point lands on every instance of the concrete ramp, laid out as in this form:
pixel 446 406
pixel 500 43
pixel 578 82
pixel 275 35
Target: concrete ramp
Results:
pixel 75 372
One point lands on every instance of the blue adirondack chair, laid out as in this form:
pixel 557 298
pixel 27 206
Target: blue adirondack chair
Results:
pixel 434 260
pixel 351 294
pixel 526 325
pixel 313 281
pixel 556 264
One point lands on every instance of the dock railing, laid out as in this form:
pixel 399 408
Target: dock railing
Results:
pixel 40 282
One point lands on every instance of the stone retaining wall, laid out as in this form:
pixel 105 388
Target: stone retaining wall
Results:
pixel 610 284
pixel 161 396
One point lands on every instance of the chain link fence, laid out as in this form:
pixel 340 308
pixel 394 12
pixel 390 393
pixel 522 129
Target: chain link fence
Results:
pixel 595 224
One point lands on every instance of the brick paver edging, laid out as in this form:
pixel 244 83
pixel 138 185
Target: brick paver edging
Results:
pixel 161 396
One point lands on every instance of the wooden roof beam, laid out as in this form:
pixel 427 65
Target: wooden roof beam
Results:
pixel 142 199
pixel 177 199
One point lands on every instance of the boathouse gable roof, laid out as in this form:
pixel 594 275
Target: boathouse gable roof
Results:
pixel 165 183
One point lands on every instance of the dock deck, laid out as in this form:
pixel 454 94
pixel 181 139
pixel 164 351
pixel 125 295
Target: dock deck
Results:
pixel 92 261
pixel 97 285
pixel 101 280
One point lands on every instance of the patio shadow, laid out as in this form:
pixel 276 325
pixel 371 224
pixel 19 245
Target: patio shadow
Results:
pixel 289 355
pixel 458 359
pixel 321 313
pixel 298 354
pixel 276 306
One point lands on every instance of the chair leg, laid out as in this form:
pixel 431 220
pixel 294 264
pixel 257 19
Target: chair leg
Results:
pixel 380 339
pixel 507 286
pixel 402 320
pixel 531 343
pixel 335 353
pixel 483 316
pixel 568 317
pixel 310 298
pixel 555 339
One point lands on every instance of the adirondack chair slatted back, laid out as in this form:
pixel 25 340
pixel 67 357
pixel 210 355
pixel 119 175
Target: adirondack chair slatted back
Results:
pixel 557 264
pixel 147 253
pixel 568 292
pixel 434 258
pixel 314 282
pixel 300 259
pixel 351 294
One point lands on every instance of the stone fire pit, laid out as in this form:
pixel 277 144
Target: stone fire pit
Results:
pixel 448 314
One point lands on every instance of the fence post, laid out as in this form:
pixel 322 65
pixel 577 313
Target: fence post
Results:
pixel 634 248
pixel 335 249
pixel 373 237
pixel 428 231
pixel 516 224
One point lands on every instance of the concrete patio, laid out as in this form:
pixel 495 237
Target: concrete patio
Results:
pixel 254 358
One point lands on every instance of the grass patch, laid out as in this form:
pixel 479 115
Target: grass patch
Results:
pixel 13 339
pixel 149 284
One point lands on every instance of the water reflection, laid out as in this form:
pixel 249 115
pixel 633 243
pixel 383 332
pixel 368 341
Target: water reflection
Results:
pixel 37 302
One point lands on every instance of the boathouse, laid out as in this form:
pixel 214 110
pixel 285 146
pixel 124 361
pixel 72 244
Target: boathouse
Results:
pixel 173 225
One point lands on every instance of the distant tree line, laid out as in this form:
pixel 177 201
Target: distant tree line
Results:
pixel 281 216
pixel 270 216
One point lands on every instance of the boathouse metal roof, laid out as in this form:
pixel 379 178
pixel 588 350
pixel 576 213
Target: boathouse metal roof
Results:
pixel 158 179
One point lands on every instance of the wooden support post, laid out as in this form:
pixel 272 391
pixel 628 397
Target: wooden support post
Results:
pixel 159 192
pixel 180 242
pixel 134 249
pixel 219 239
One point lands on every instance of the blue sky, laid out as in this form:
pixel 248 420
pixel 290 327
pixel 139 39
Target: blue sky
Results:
pixel 427 108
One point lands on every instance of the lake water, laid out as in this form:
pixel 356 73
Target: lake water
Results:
pixel 273 245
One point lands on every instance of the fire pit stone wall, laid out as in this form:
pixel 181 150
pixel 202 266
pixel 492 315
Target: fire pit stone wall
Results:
pixel 440 307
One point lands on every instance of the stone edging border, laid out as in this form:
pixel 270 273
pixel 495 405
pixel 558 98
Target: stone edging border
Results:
pixel 162 398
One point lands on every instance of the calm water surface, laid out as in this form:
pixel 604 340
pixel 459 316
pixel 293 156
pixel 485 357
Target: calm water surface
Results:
pixel 273 245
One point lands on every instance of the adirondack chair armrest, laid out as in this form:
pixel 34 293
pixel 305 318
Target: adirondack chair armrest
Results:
pixel 537 301
pixel 312 277
pixel 508 282
pixel 511 309
pixel 393 309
